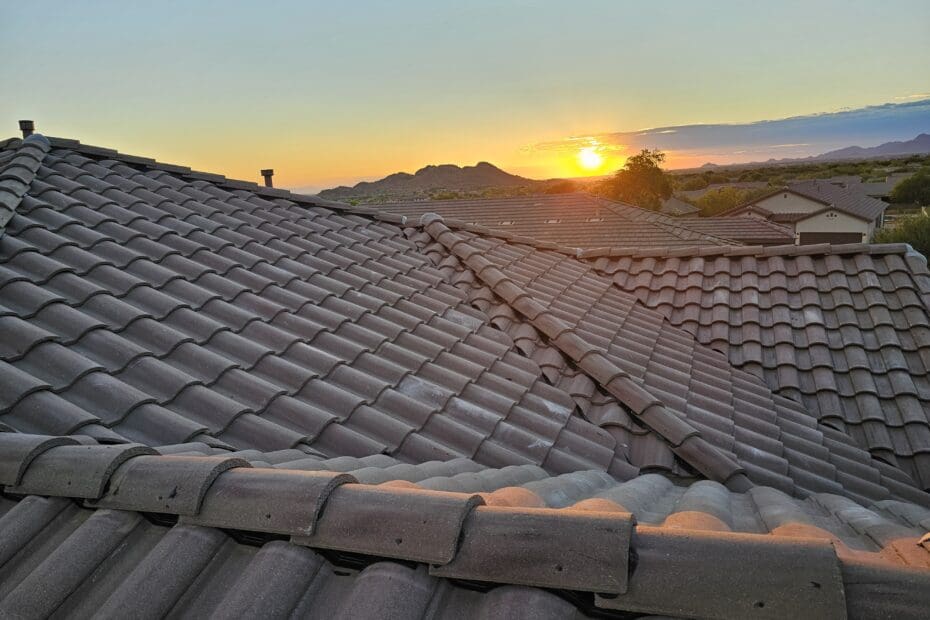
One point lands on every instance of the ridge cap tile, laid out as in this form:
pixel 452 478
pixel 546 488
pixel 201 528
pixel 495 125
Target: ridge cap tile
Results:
pixel 267 500
pixel 30 152
pixel 18 450
pixel 541 547
pixel 80 471
pixel 756 576
pixel 393 522
pixel 165 483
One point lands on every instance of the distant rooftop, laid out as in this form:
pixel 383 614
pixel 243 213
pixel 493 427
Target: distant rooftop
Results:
pixel 578 220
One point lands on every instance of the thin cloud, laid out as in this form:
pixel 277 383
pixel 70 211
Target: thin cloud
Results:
pixel 796 136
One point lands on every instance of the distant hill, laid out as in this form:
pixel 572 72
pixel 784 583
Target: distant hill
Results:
pixel 917 146
pixel 431 181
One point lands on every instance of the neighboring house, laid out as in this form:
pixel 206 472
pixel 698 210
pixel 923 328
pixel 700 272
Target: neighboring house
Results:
pixel 226 400
pixel 583 221
pixel 882 189
pixel 819 212
pixel 875 189
pixel 678 207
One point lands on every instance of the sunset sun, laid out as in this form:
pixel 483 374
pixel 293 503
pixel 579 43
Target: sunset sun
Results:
pixel 589 158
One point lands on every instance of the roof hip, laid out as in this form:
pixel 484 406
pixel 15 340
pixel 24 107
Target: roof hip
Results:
pixel 18 173
pixel 684 439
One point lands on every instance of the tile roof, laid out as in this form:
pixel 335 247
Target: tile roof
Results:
pixel 748 230
pixel 723 421
pixel 877 189
pixel 162 330
pixel 139 305
pixel 571 220
pixel 843 329
pixel 677 206
pixel 348 538
pixel 850 199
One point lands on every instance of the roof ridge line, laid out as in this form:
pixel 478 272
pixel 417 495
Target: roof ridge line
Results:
pixel 331 510
pixel 685 441
pixel 18 173
pixel 591 548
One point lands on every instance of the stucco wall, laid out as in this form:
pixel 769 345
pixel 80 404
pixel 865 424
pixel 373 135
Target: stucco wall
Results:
pixel 834 221
pixel 786 202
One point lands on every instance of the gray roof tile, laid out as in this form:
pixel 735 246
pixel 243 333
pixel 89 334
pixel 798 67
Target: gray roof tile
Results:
pixel 840 330
pixel 115 563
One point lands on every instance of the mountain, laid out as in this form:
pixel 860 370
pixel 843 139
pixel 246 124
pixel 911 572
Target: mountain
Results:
pixel 430 180
pixel 917 146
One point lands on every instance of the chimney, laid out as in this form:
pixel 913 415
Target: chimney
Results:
pixel 28 127
pixel 267 174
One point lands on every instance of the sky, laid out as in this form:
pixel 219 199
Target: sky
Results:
pixel 332 93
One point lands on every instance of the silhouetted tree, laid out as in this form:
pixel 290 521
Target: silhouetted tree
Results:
pixel 642 181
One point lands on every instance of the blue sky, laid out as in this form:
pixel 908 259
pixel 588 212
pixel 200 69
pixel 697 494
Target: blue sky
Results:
pixel 333 92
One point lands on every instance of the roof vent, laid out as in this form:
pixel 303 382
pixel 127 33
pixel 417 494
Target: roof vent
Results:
pixel 28 127
pixel 267 173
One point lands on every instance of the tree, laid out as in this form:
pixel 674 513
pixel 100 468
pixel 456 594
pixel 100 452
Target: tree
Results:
pixel 725 198
pixel 913 190
pixel 693 183
pixel 912 229
pixel 564 186
pixel 641 181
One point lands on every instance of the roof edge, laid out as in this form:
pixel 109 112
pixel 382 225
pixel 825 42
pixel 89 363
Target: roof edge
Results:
pixel 628 566
pixel 334 511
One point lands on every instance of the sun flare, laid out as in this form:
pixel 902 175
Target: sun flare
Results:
pixel 589 158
